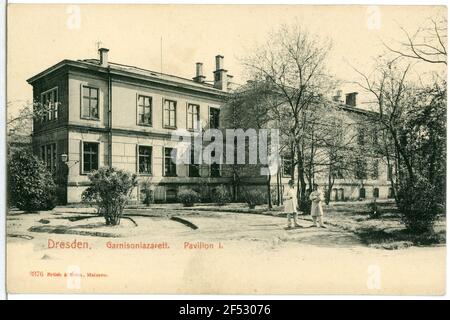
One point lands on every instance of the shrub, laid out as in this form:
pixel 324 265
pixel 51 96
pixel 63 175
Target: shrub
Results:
pixel 188 197
pixel 91 197
pixel 31 185
pixel 221 195
pixel 418 204
pixel 111 188
pixel 254 197
pixel 374 210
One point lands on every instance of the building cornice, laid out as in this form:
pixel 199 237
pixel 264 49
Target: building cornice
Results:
pixel 105 71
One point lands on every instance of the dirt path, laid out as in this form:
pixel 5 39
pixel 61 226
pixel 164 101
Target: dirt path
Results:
pixel 249 254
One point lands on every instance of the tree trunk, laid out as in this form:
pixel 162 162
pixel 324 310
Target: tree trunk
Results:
pixel 269 193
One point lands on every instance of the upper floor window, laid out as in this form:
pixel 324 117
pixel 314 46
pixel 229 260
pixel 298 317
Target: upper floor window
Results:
pixel 375 173
pixel 144 110
pixel 390 171
pixel 361 169
pixel 90 156
pixel 286 167
pixel 145 160
pixel 170 168
pixel 214 118
pixel 193 116
pixel 361 136
pixel 89 108
pixel 170 113
pixel 49 100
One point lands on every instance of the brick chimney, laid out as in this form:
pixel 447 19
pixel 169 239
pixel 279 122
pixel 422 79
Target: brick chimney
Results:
pixel 103 54
pixel 220 75
pixel 350 99
pixel 199 77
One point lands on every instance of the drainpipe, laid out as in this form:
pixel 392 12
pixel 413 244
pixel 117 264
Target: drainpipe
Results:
pixel 109 118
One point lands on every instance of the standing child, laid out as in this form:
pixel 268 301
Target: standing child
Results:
pixel 316 207
pixel 290 205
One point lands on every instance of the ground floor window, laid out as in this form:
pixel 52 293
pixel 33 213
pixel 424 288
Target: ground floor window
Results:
pixel 145 159
pixel 90 156
pixel 376 192
pixel 391 193
pixel 170 167
pixel 49 156
pixel 194 168
pixel 362 193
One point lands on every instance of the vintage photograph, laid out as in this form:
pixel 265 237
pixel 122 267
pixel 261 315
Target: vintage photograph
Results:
pixel 226 149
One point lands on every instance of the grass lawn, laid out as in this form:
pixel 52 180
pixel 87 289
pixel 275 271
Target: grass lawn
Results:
pixel 386 231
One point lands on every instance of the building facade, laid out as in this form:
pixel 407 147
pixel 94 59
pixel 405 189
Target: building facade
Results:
pixel 106 114
pixel 101 113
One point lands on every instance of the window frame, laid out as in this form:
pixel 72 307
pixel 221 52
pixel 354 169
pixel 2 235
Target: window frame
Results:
pixel 283 160
pixel 83 170
pixel 138 158
pixel 164 163
pixel 54 111
pixel 188 114
pixel 50 150
pixel 163 114
pixel 138 122
pixel 82 103
pixel 209 116
pixel 193 165
pixel 375 169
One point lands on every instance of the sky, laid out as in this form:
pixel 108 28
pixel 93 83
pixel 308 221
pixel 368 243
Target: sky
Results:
pixel 39 36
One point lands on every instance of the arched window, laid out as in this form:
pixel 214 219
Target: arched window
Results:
pixel 376 192
pixel 362 193
pixel 334 195
pixel 391 193
pixel 341 194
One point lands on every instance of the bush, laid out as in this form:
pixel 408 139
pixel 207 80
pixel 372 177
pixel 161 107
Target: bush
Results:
pixel 31 185
pixel 188 197
pixel 91 197
pixel 418 204
pixel 254 198
pixel 221 195
pixel 111 189
pixel 374 210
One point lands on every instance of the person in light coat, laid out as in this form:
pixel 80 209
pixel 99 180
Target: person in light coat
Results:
pixel 290 204
pixel 316 198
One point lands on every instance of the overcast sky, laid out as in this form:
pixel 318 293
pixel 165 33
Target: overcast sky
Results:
pixel 42 35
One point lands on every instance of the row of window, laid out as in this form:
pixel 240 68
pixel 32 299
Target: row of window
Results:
pixel 338 194
pixel 360 170
pixel 90 109
pixel 144 158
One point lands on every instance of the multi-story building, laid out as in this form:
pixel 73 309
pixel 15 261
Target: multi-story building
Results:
pixel 106 114
pixel 101 113
pixel 346 159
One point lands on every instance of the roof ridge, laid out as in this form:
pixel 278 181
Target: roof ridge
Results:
pixel 155 73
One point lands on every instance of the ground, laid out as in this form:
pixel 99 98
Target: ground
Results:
pixel 211 250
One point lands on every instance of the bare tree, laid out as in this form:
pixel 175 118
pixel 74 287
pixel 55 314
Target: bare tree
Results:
pixel 293 62
pixel 428 43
